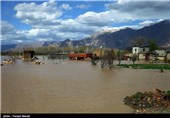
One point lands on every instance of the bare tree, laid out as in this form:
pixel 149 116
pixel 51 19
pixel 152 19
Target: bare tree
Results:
pixel 120 55
pixel 12 56
pixel 138 41
pixel 134 58
pixel 94 59
pixel 107 57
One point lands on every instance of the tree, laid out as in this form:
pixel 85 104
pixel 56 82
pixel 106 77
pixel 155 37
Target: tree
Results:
pixel 94 59
pixel 152 45
pixel 138 41
pixel 107 57
pixel 120 55
pixel 134 58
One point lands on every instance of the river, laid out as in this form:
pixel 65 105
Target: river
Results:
pixel 73 87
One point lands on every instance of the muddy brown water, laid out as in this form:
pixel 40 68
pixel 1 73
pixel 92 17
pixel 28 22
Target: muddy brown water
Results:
pixel 74 87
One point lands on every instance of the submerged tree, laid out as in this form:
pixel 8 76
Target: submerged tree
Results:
pixel 107 57
pixel 94 59
pixel 12 56
pixel 120 55
pixel 134 58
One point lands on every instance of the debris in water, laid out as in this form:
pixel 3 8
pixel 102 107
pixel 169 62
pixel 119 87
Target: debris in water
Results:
pixel 144 102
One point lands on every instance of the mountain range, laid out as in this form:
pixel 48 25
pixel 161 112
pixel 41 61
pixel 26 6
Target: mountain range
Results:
pixel 160 32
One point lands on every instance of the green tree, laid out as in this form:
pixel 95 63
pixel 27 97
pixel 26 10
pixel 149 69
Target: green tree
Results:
pixel 152 45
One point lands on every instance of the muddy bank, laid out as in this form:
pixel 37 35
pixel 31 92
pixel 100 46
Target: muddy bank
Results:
pixel 155 101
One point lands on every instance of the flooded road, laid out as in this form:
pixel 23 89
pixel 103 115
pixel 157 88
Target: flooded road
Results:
pixel 73 87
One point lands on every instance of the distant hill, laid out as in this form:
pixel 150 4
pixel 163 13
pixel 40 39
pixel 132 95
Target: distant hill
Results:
pixel 48 43
pixel 8 47
pixel 160 32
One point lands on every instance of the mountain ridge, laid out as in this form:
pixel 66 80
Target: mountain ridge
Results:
pixel 114 38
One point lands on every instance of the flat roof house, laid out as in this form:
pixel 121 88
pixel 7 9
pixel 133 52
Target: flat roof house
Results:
pixel 140 49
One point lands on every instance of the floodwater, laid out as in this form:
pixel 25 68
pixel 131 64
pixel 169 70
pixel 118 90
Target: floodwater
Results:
pixel 74 87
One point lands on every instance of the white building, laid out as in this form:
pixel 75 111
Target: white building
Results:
pixel 142 49
pixel 161 53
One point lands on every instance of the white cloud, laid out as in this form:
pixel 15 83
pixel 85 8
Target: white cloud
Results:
pixel 94 19
pixel 9 34
pixel 46 20
pixel 82 6
pixel 105 18
pixel 33 14
pixel 38 32
pixel 152 9
pixel 6 27
pixel 149 22
pixel 146 23
pixel 66 7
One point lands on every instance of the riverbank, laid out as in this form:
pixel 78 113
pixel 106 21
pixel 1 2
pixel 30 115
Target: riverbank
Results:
pixel 155 101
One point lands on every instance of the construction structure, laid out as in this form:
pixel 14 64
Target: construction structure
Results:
pixel 80 56
pixel 28 55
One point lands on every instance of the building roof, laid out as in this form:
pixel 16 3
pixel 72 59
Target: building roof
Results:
pixel 144 46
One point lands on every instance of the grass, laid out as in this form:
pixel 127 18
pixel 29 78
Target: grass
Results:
pixel 147 66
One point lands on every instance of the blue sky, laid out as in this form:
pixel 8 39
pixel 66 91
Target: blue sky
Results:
pixel 36 21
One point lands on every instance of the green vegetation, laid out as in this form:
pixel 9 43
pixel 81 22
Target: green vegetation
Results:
pixel 152 45
pixel 147 66
pixel 45 50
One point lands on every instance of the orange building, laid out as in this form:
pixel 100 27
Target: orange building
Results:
pixel 79 56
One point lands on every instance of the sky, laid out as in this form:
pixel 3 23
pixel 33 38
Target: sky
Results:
pixel 57 20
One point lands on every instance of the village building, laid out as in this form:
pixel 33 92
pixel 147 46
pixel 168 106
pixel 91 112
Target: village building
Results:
pixel 28 54
pixel 168 56
pixel 141 49
pixel 141 52
pixel 161 54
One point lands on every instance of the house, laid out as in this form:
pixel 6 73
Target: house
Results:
pixel 141 52
pixel 142 56
pixel 141 49
pixel 168 55
pixel 28 54
pixel 161 54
